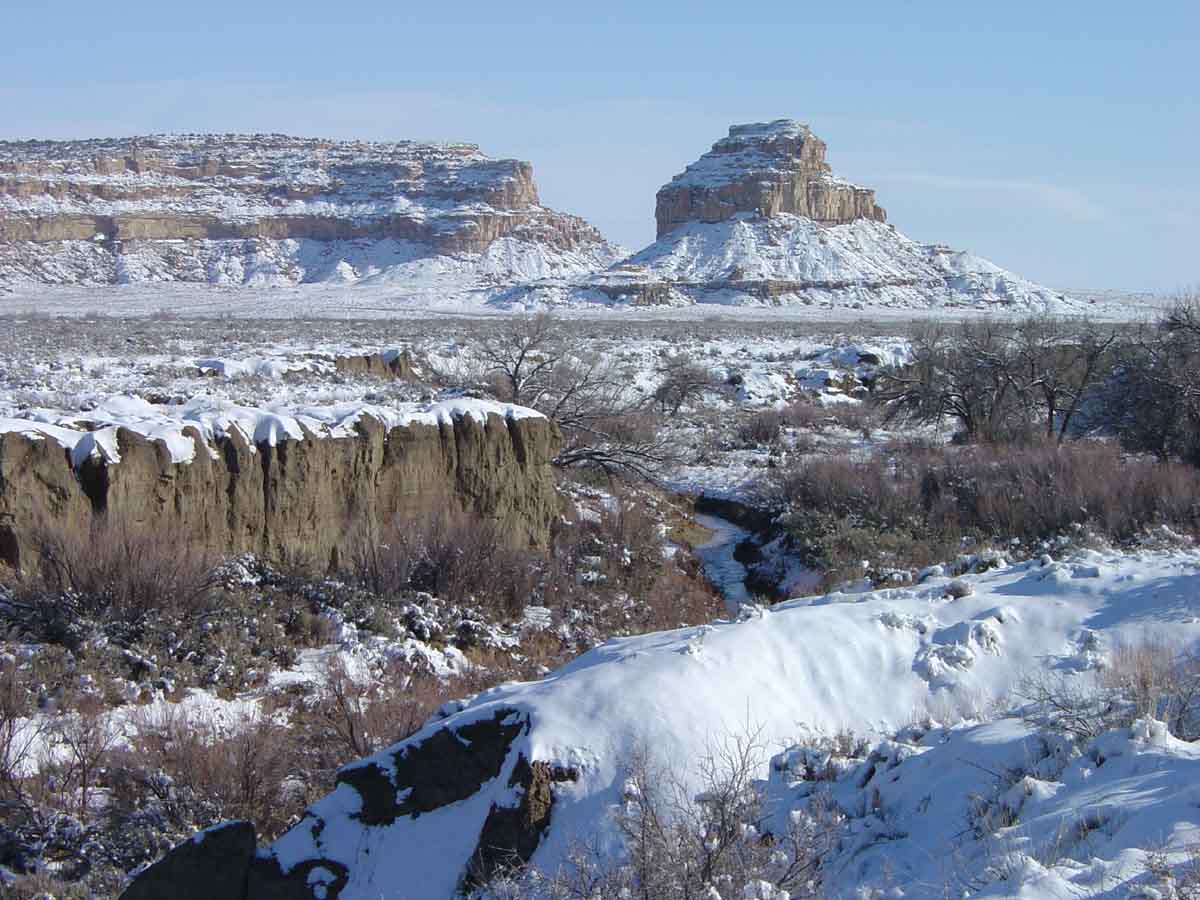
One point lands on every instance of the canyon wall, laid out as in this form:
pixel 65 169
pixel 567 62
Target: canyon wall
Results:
pixel 315 499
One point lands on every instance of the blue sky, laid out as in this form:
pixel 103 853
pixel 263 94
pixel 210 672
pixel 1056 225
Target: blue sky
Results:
pixel 1058 139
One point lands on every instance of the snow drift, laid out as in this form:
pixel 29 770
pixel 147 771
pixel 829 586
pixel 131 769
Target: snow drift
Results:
pixel 551 756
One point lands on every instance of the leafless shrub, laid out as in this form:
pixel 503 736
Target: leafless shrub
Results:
pixel 44 886
pixel 122 570
pixel 348 718
pixel 1159 680
pixel 1151 679
pixel 232 770
pixel 681 843
pixel 1178 881
pixel 682 382
pixel 20 734
pixel 916 507
pixel 806 415
pixel 454 555
pixel 87 735
pixel 762 428
pixel 862 418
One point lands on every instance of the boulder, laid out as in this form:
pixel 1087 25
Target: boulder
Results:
pixel 214 863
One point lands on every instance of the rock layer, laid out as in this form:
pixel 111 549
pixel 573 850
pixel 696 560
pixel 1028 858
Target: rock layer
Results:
pixel 761 220
pixel 128 197
pixel 314 499
pixel 767 169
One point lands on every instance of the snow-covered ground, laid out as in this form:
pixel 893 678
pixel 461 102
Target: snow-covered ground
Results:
pixel 862 263
pixel 926 674
pixel 455 293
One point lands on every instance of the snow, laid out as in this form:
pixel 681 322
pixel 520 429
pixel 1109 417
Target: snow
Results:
pixel 746 153
pixel 208 419
pixel 844 661
pixel 864 262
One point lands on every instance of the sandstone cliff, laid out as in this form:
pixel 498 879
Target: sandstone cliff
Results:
pixel 761 220
pixel 768 169
pixel 295 494
pixel 213 207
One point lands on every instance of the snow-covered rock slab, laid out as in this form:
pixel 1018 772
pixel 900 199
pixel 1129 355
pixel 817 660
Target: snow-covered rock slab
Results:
pixel 873 662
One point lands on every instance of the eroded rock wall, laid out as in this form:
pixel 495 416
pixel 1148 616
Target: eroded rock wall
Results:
pixel 315 499
pixel 64 202
pixel 767 169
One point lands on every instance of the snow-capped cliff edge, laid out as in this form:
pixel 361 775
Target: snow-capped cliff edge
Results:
pixel 272 210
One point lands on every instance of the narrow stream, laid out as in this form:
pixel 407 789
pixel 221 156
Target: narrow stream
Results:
pixel 720 567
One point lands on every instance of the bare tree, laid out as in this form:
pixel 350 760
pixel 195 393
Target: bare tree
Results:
pixel 605 425
pixel 1152 399
pixel 997 381
pixel 683 381
pixel 1056 363
pixel 965 375
pixel 523 351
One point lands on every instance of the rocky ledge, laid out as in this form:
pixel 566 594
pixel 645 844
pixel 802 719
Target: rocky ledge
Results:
pixel 215 208
pixel 764 168
pixel 312 485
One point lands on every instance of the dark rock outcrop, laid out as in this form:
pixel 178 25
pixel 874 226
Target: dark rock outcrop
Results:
pixel 426 774
pixel 511 834
pixel 447 767
pixel 213 864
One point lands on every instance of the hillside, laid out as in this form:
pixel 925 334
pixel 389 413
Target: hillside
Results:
pixel 761 220
pixel 926 797
pixel 271 210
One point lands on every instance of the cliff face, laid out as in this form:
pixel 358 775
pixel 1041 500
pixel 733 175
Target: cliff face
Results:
pixel 761 220
pixel 767 169
pixel 127 197
pixel 315 498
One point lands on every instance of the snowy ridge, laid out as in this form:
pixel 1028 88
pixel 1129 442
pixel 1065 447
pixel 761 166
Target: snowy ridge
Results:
pixel 209 419
pixel 242 177
pixel 815 666
pixel 271 210
pixel 798 260
pixel 747 151
pixel 413 269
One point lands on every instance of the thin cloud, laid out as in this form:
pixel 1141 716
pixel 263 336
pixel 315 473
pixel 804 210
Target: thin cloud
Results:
pixel 1064 200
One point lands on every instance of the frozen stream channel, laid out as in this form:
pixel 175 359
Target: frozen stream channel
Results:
pixel 722 569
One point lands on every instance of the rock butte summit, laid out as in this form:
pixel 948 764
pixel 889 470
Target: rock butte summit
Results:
pixel 765 168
